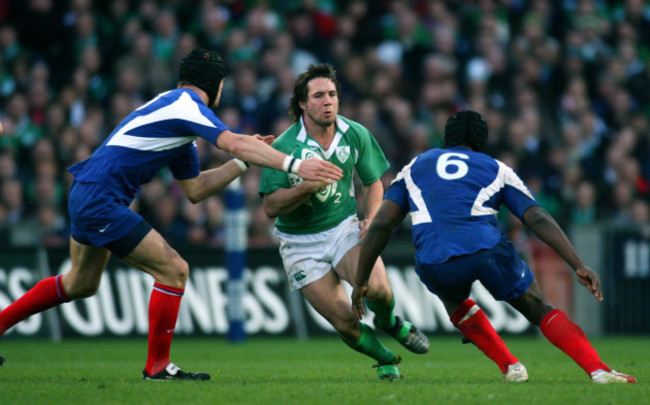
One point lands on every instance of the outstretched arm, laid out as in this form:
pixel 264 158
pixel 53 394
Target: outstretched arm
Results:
pixel 210 181
pixel 254 151
pixel 388 218
pixel 545 227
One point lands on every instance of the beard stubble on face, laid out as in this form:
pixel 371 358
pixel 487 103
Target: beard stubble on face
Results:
pixel 321 121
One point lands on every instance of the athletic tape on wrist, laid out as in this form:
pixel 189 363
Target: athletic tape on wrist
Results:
pixel 242 165
pixel 293 168
pixel 291 164
pixel 287 161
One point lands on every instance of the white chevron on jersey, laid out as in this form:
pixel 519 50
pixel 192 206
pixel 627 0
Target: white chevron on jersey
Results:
pixel 454 211
pixel 184 108
pixel 161 133
pixel 149 144
pixel 505 176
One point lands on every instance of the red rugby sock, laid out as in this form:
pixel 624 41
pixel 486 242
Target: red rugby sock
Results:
pixel 163 312
pixel 46 294
pixel 570 338
pixel 474 325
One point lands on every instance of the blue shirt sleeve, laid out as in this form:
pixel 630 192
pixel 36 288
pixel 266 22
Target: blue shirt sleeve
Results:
pixel 398 193
pixel 186 165
pixel 516 195
pixel 208 133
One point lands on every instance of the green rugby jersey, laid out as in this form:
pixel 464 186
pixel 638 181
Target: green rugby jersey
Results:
pixel 353 147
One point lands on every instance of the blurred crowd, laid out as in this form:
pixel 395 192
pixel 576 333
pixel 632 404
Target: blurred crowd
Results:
pixel 564 85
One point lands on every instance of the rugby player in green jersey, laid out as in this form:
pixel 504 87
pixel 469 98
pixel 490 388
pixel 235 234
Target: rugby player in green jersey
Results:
pixel 317 223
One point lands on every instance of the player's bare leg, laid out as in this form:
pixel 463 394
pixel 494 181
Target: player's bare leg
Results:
pixel 87 265
pixel 328 297
pixel 82 280
pixel 381 301
pixel 566 335
pixel 154 256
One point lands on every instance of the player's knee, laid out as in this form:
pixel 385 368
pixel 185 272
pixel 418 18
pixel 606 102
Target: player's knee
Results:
pixel 538 312
pixel 380 295
pixel 535 309
pixel 179 272
pixel 81 289
pixel 88 291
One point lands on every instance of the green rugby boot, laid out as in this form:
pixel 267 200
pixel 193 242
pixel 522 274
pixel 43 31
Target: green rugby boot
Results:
pixel 389 371
pixel 408 336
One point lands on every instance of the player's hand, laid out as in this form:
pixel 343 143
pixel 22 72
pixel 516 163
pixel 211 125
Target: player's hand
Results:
pixel 364 226
pixel 268 139
pixel 321 170
pixel 313 186
pixel 357 301
pixel 591 280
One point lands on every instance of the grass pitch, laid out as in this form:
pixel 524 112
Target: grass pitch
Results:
pixel 316 371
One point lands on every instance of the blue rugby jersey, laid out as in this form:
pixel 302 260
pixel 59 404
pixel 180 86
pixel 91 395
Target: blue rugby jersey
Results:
pixel 160 133
pixel 453 196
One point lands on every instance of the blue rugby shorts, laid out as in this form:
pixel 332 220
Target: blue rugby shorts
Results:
pixel 500 269
pixel 100 218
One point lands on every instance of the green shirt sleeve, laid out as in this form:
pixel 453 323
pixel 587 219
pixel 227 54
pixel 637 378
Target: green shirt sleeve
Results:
pixel 372 162
pixel 272 179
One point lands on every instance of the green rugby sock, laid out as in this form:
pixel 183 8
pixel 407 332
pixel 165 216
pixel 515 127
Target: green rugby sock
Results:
pixel 370 346
pixel 384 318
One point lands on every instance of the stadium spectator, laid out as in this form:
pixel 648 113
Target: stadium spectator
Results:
pixel 453 195
pixel 8 166
pixel 149 73
pixel 166 35
pixel 317 223
pixel 214 212
pixel 13 201
pixel 168 220
pixel 98 84
pixel 22 133
pixel 105 184
pixel 46 228
pixel 622 200
pixel 585 211
pixel 640 214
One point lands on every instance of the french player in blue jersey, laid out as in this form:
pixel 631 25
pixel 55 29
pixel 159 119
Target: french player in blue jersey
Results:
pixel 161 133
pixel 453 196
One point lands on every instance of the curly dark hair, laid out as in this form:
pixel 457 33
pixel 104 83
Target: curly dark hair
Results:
pixel 301 88
pixel 203 69
pixel 466 128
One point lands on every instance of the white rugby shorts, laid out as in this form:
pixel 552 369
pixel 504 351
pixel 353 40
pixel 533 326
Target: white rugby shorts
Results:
pixel 309 257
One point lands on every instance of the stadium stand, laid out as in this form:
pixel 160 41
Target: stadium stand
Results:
pixel 565 86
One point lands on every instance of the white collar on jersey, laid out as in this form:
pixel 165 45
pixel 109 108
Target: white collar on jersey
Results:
pixel 341 128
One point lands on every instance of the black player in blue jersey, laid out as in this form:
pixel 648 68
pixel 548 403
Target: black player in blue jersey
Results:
pixel 453 196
